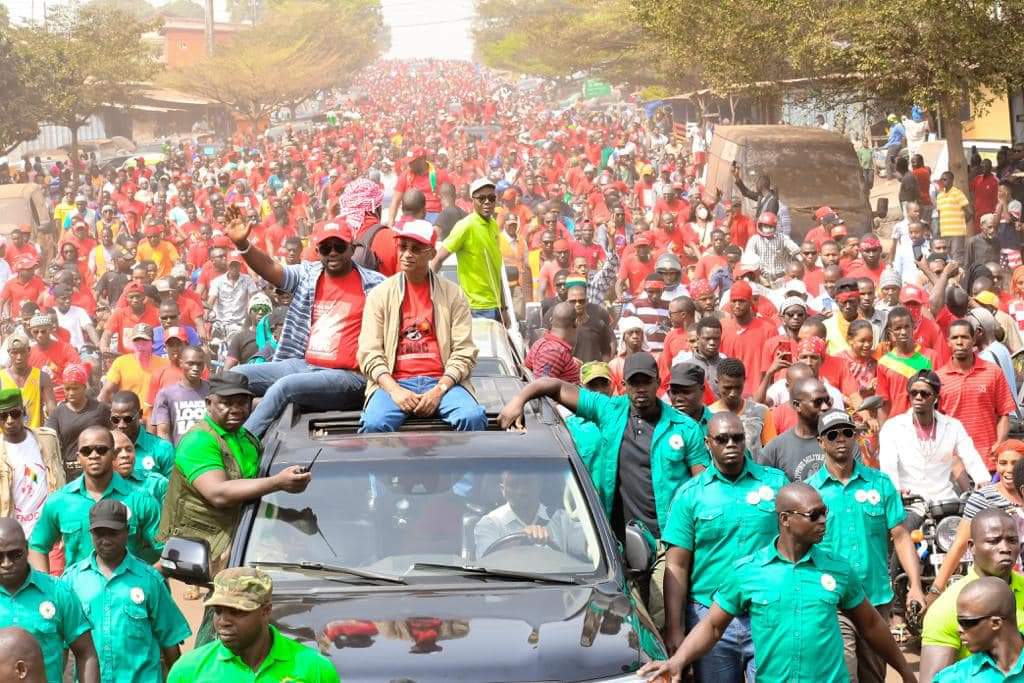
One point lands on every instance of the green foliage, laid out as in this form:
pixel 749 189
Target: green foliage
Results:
pixel 19 106
pixel 137 9
pixel 183 8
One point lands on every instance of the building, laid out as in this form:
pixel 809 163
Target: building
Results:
pixel 184 40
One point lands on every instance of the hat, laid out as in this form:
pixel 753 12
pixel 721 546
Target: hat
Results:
pixel 595 369
pixel 418 152
pixel 479 184
pixel 791 301
pixel 162 284
pixel 417 230
pixel 230 384
pixel 339 231
pixel 179 270
pixel 134 288
pixel 929 377
pixel 260 299
pixel 767 218
pixel 175 332
pixel 242 588
pixel 822 212
pixel 640 363
pixel 889 278
pixel 142 331
pixel 687 375
pixel 561 245
pixel 75 373
pixel 870 242
pixel 654 281
pixel 26 262
pixel 40 320
pixel 987 298
pixel 668 262
pixel 10 398
pixel 984 319
pixel 913 294
pixel 748 264
pixel 797 286
pixel 108 514
pixel 741 291
pixel 832 419
pixel 643 239
pixel 151 230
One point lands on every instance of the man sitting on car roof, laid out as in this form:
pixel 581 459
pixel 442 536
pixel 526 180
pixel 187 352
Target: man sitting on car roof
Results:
pixel 416 342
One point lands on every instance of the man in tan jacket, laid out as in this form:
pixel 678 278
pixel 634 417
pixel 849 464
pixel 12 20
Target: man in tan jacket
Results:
pixel 31 467
pixel 416 343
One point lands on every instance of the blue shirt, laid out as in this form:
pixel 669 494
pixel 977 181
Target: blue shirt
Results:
pixel 897 134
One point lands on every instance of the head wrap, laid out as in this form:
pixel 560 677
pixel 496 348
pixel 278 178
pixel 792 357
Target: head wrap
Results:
pixel 843 297
pixel 1015 445
pixel 40 320
pixel 815 345
pixel 870 242
pixel 16 338
pixel 75 373
pixel 741 291
pixel 700 288
pixel 361 196
pixel 627 323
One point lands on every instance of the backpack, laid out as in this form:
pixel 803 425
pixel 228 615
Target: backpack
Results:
pixel 362 253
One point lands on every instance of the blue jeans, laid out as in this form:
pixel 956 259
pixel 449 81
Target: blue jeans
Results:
pixel 458 408
pixel 731 656
pixel 431 217
pixel 488 313
pixel 295 380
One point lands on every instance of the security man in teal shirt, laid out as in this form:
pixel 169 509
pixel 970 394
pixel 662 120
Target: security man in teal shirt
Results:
pixel 133 616
pixel 595 376
pixel 792 591
pixel 987 616
pixel 151 452
pixel 724 513
pixel 43 606
pixel 686 393
pixel 647 451
pixel 864 511
pixel 151 482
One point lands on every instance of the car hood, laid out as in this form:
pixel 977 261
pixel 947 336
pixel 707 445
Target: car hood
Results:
pixel 480 634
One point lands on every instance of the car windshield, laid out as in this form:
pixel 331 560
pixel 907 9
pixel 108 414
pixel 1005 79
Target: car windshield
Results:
pixel 384 516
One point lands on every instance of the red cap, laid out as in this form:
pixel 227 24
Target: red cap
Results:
pixel 767 218
pixel 26 262
pixel 339 231
pixel 822 212
pixel 176 333
pixel 153 230
pixel 561 245
pixel 741 291
pixel 417 229
pixel 134 288
pixel 913 294
pixel 643 239
pixel 870 242
pixel 418 152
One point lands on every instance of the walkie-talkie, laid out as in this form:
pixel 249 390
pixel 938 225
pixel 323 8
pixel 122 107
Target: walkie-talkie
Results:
pixel 309 468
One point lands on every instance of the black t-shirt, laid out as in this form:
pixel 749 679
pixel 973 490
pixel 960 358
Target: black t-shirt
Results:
pixel 634 489
pixel 447 219
pixel 110 286
pixel 594 337
pixel 68 424
pixel 243 346
pixel 908 188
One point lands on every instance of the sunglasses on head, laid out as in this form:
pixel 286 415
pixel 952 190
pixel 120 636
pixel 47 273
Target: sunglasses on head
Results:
pixel 737 438
pixel 813 515
pixel 833 434
pixel 13 413
pixel 336 246
pixel 86 451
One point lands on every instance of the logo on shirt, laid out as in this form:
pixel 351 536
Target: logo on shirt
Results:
pixel 137 595
pixel 753 498
pixel 148 463
pixel 871 496
pixel 828 582
pixel 676 441
pixel 47 610
pixel 765 493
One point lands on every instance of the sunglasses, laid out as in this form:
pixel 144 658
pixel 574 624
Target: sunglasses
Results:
pixel 833 434
pixel 920 393
pixel 970 622
pixel 813 515
pixel 336 246
pixel 12 414
pixel 486 198
pixel 86 451
pixel 169 317
pixel 12 555
pixel 724 439
pixel 123 419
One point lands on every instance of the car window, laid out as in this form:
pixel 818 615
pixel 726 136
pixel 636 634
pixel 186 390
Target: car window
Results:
pixel 385 515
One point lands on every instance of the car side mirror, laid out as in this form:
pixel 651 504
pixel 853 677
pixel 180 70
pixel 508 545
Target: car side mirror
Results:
pixel 186 559
pixel 882 207
pixel 636 551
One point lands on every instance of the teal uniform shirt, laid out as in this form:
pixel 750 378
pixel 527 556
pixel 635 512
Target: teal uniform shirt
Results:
pixel 860 515
pixel 981 668
pixel 50 611
pixel 152 483
pixel 793 610
pixel 720 520
pixel 676 445
pixel 153 453
pixel 132 614
pixel 287 661
pixel 66 515
pixel 585 435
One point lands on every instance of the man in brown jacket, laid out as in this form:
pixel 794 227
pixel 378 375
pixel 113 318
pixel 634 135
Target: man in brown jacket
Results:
pixel 416 343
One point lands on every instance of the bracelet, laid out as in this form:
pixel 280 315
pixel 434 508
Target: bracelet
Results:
pixel 248 246
pixel 933 590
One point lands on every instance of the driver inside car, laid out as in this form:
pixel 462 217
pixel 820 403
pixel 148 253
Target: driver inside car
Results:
pixel 523 513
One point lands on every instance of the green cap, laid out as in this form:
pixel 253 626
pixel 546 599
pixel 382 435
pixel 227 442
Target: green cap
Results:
pixel 10 398
pixel 243 588
pixel 595 369
pixel 575 281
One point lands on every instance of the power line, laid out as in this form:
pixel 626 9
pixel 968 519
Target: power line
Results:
pixel 434 23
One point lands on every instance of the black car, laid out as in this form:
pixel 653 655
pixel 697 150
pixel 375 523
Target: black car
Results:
pixel 404 558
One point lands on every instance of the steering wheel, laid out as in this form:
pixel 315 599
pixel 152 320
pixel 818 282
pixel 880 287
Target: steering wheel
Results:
pixel 514 539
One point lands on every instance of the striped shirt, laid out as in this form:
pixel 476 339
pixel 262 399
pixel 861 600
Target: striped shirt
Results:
pixel 985 498
pixel 654 317
pixel 950 205
pixel 774 253
pixel 301 281
pixel 551 356
pixel 978 398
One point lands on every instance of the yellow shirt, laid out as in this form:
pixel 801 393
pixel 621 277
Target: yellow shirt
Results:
pixel 31 395
pixel 940 625
pixel 164 255
pixel 128 374
pixel 950 205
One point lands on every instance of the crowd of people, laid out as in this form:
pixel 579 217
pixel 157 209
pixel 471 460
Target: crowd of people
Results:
pixel 760 405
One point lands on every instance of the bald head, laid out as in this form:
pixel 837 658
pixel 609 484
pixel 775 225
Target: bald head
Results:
pixel 11 532
pixel 21 658
pixel 796 496
pixel 563 316
pixel 798 372
pixel 724 422
pixel 990 517
pixel 97 433
pixel 414 203
pixel 990 596
pixel 806 387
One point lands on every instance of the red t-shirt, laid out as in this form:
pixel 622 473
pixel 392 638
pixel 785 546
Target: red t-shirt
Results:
pixel 418 354
pixel 335 322
pixel 408 181
pixel 748 344
pixel 634 271
pixel 122 320
pixel 859 269
pixel 11 252
pixel 892 383
pixel 708 264
pixel 15 292
pixel 594 253
pixel 52 361
pixel 978 398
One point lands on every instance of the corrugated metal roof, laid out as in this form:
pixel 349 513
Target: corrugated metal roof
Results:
pixel 53 137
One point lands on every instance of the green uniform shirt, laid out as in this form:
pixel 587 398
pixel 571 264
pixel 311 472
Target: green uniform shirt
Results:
pixel 479 266
pixel 198 452
pixel 152 483
pixel 132 614
pixel 585 435
pixel 720 521
pixel 940 625
pixel 49 610
pixel 153 453
pixel 287 662
pixel 66 515
pixel 793 611
pixel 860 515
pixel 981 668
pixel 676 445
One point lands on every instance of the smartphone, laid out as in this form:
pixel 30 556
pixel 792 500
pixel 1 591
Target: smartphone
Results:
pixel 309 468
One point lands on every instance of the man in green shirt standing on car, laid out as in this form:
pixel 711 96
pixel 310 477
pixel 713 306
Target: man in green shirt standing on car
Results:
pixel 249 649
pixel 647 451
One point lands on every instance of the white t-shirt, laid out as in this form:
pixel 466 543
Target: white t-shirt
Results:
pixel 74 321
pixel 29 487
pixel 778 393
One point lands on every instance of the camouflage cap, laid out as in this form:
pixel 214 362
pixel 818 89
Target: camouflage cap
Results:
pixel 243 588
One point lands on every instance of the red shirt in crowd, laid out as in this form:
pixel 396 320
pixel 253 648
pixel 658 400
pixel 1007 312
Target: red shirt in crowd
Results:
pixel 335 321
pixel 418 353
pixel 122 320
pixel 978 397
pixel 15 292
pixel 748 343
pixel 634 271
pixel 551 356
pixel 408 181
pixel 892 383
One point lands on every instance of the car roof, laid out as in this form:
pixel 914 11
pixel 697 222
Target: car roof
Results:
pixel 297 436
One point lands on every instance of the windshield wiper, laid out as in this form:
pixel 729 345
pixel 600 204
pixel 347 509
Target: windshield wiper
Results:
pixel 503 574
pixel 333 569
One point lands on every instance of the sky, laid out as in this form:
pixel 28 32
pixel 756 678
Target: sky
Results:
pixel 429 28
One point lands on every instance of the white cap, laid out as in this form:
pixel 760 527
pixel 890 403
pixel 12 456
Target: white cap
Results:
pixel 479 184
pixel 419 230
pixel 797 286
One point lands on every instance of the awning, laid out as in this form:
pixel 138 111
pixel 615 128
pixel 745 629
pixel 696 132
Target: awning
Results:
pixel 162 110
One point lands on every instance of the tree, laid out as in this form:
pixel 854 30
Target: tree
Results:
pixel 88 57
pixel 138 9
pixel 297 51
pixel 183 8
pixel 20 104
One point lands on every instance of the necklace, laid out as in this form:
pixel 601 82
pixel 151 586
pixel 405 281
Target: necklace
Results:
pixel 927 444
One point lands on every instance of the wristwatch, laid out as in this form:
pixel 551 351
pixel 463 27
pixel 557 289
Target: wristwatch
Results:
pixel 933 590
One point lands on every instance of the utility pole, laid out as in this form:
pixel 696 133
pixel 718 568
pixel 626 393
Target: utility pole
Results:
pixel 209 28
